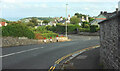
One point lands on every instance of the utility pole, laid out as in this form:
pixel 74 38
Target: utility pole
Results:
pixel 66 19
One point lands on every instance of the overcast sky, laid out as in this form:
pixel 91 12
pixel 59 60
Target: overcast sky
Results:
pixel 55 8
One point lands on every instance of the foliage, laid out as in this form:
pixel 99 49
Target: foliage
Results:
pixel 42 32
pixel 91 19
pixel 17 30
pixel 93 28
pixel 30 24
pixel 87 26
pixel 41 29
pixel 74 20
pixel 79 15
pixel 48 35
pixel 61 28
pixel 84 29
pixel 46 21
pixel 34 20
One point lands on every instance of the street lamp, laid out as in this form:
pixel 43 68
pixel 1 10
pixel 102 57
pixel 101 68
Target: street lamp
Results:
pixel 66 19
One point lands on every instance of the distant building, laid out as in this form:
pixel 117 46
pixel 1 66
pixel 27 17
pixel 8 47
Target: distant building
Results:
pixel 102 16
pixel 83 19
pixel 63 21
pixel 3 24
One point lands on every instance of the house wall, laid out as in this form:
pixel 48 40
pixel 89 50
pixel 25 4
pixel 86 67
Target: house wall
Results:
pixel 110 43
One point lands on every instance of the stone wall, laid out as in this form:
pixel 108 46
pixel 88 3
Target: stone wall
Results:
pixel 17 41
pixel 88 33
pixel 110 42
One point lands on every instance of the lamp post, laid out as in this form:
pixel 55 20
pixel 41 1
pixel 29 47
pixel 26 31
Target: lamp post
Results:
pixel 66 20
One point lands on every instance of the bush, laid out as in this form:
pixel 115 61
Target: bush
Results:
pixel 93 28
pixel 48 35
pixel 61 28
pixel 84 29
pixel 17 30
pixel 74 20
pixel 97 29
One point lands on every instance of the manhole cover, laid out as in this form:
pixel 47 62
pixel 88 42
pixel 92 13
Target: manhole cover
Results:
pixel 81 57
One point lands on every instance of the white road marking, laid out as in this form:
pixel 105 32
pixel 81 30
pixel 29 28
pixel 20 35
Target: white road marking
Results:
pixel 19 52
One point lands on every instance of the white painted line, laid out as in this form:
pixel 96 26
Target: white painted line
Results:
pixel 19 52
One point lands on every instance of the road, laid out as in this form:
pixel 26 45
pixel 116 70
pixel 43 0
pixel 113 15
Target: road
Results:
pixel 44 55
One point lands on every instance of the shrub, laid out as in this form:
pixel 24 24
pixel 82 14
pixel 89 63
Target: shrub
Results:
pixel 87 26
pixel 74 20
pixel 38 36
pixel 93 28
pixel 48 35
pixel 97 29
pixel 17 30
pixel 61 28
pixel 84 29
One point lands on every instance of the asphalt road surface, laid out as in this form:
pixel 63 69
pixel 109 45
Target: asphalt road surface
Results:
pixel 44 55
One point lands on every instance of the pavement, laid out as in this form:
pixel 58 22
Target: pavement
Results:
pixel 43 56
pixel 86 60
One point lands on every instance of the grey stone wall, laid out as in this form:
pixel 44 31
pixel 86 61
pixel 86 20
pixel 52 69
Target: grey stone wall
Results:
pixel 88 33
pixel 110 42
pixel 16 41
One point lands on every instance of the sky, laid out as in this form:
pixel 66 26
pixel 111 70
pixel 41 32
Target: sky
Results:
pixel 16 9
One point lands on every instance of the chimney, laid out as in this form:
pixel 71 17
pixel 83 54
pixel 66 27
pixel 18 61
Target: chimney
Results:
pixel 117 10
pixel 101 12
pixel 105 12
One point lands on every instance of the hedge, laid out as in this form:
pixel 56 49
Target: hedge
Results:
pixel 17 30
pixel 93 28
pixel 84 29
pixel 60 28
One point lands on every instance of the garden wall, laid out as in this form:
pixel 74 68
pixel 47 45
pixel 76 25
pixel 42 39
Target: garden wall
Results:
pixel 18 41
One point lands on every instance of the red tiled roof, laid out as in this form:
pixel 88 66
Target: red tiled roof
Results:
pixel 101 18
pixel 2 23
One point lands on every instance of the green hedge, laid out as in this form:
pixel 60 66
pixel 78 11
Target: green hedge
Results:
pixel 84 29
pixel 60 28
pixel 48 35
pixel 93 28
pixel 17 30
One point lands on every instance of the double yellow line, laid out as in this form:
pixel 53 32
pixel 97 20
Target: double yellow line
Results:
pixel 64 57
pixel 51 68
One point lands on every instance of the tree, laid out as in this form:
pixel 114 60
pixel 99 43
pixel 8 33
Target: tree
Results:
pixel 17 30
pixel 30 24
pixel 46 21
pixel 74 20
pixel 91 19
pixel 34 20
pixel 79 15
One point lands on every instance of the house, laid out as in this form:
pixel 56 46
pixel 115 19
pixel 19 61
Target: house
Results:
pixel 3 24
pixel 83 19
pixel 63 21
pixel 102 16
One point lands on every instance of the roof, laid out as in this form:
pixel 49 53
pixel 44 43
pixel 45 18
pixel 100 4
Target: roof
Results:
pixel 111 17
pixel 96 20
pixel 63 21
pixel 108 15
pixel 103 16
pixel 3 23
